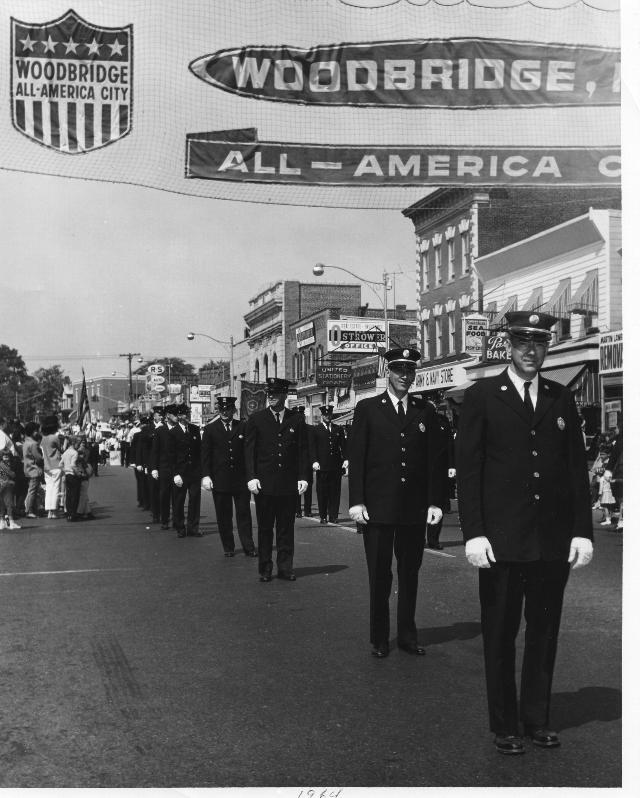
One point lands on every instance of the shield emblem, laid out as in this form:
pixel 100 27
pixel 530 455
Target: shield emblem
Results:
pixel 71 83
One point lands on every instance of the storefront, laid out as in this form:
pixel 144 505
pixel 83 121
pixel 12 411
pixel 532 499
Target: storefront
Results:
pixel 611 379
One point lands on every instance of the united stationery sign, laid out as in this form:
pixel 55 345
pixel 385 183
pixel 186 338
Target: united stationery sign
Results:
pixel 333 375
pixel 419 73
pixel 71 82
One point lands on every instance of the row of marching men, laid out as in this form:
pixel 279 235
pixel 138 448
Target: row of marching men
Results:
pixel 173 460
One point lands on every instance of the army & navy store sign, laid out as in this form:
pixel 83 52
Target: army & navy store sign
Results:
pixel 438 378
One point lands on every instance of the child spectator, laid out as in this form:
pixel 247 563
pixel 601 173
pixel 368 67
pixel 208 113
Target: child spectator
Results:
pixel 607 500
pixel 68 464
pixel 7 485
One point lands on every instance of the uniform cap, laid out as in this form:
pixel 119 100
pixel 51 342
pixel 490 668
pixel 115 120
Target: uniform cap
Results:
pixel 405 355
pixel 226 402
pixel 277 385
pixel 530 325
pixel 300 409
pixel 182 410
pixel 326 410
pixel 172 409
pixel 158 409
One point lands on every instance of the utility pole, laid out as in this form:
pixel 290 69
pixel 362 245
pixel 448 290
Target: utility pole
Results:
pixel 130 356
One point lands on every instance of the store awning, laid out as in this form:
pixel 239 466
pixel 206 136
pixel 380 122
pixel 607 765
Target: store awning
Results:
pixel 585 299
pixel 535 300
pixel 565 375
pixel 457 391
pixel 558 303
pixel 511 304
pixel 346 418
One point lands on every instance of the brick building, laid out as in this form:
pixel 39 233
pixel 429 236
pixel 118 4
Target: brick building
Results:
pixel 455 226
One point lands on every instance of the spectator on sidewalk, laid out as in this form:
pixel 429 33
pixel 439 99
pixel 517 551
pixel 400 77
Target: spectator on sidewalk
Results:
pixel 68 464
pixel 52 447
pixel 33 465
pixel 606 497
pixel 84 471
pixel 7 485
pixel 5 440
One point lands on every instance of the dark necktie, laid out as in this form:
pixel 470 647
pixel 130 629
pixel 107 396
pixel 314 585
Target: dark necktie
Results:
pixel 527 399
pixel 277 418
pixel 401 413
pixel 228 426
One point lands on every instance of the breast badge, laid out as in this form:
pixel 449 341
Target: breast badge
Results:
pixel 422 427
pixel 561 423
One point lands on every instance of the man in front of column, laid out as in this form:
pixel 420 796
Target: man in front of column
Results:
pixel 397 473
pixel 223 473
pixel 276 457
pixel 525 513
pixel 184 464
pixel 328 457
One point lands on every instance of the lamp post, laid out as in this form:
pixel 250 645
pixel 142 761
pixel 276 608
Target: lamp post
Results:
pixel 229 343
pixel 319 268
pixel 130 356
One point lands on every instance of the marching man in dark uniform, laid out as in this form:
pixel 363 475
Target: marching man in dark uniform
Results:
pixel 306 498
pixel 328 457
pixel 141 448
pixel 153 484
pixel 223 473
pixel 524 506
pixel 184 464
pixel 397 474
pixel 276 456
pixel 159 465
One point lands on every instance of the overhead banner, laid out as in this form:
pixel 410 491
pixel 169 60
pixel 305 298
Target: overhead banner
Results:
pixel 321 102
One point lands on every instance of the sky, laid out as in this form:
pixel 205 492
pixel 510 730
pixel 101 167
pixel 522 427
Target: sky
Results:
pixel 93 270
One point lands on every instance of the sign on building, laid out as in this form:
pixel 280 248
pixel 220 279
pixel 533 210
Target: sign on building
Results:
pixel 496 349
pixel 610 352
pixel 355 336
pixel 200 394
pixel 333 375
pixel 438 378
pixel 474 331
pixel 305 335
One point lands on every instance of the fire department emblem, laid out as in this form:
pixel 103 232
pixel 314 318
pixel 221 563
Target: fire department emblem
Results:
pixel 71 83
pixel 561 424
pixel 534 318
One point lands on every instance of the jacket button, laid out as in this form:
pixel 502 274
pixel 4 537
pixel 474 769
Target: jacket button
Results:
pixel 402 479
pixel 536 474
pixel 403 464
pixel 536 496
pixel 534 453
pixel 533 432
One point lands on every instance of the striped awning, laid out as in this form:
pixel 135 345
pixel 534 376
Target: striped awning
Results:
pixel 535 300
pixel 558 303
pixel 585 299
pixel 565 375
pixel 511 304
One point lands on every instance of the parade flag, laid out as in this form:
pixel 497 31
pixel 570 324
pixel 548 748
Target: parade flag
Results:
pixel 83 404
pixel 336 103
pixel 253 397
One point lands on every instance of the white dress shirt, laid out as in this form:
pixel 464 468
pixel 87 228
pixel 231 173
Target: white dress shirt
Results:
pixel 517 380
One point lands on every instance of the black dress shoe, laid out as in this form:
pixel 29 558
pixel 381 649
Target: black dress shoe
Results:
pixel 380 651
pixel 509 744
pixel 182 533
pixel 544 738
pixel 437 546
pixel 308 515
pixel 265 577
pixel 287 577
pixel 253 553
pixel 323 520
pixel 298 515
pixel 412 648
pixel 229 554
pixel 164 526
pixel 333 520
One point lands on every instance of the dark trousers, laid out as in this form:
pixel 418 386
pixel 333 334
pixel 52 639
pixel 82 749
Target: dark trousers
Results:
pixel 72 494
pixel 124 453
pixel 224 503
pixel 328 488
pixel 165 490
pixel 153 488
pixel 190 487
pixel 281 512
pixel 381 541
pixel 306 498
pixel 141 488
pixel 504 588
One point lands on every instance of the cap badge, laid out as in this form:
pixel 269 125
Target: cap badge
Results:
pixel 561 423
pixel 405 353
pixel 503 387
pixel 534 318
pixel 422 427
pixel 290 429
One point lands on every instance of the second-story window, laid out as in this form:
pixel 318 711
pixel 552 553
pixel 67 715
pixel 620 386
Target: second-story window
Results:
pixel 451 269
pixel 437 265
pixel 466 256
pixel 452 331
pixel 438 340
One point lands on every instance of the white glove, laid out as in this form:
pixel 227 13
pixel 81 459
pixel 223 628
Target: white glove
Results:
pixel 132 465
pixel 581 551
pixel 345 465
pixel 155 474
pixel 302 486
pixel 434 515
pixel 177 480
pixel 452 473
pixel 359 514
pixel 316 466
pixel 479 552
pixel 146 471
pixel 254 486
pixel 207 483
pixel 139 468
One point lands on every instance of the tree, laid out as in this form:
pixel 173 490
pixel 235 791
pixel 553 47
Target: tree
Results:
pixel 49 388
pixel 13 380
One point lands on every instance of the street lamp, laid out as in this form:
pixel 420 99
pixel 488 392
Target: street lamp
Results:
pixel 319 268
pixel 229 343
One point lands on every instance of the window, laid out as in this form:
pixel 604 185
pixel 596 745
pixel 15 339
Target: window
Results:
pixel 256 371
pixel 438 336
pixel 426 348
pixel 274 360
pixel 437 265
pixel 451 269
pixel 424 260
pixel 452 331
pixel 266 367
pixel 294 366
pixel 466 259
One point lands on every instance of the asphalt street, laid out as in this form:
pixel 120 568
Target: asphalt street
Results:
pixel 132 658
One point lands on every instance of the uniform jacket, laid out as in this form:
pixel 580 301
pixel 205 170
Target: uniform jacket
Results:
pixel 141 447
pixel 397 470
pixel 184 452
pixel 276 455
pixel 523 484
pixel 159 455
pixel 327 448
pixel 223 456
